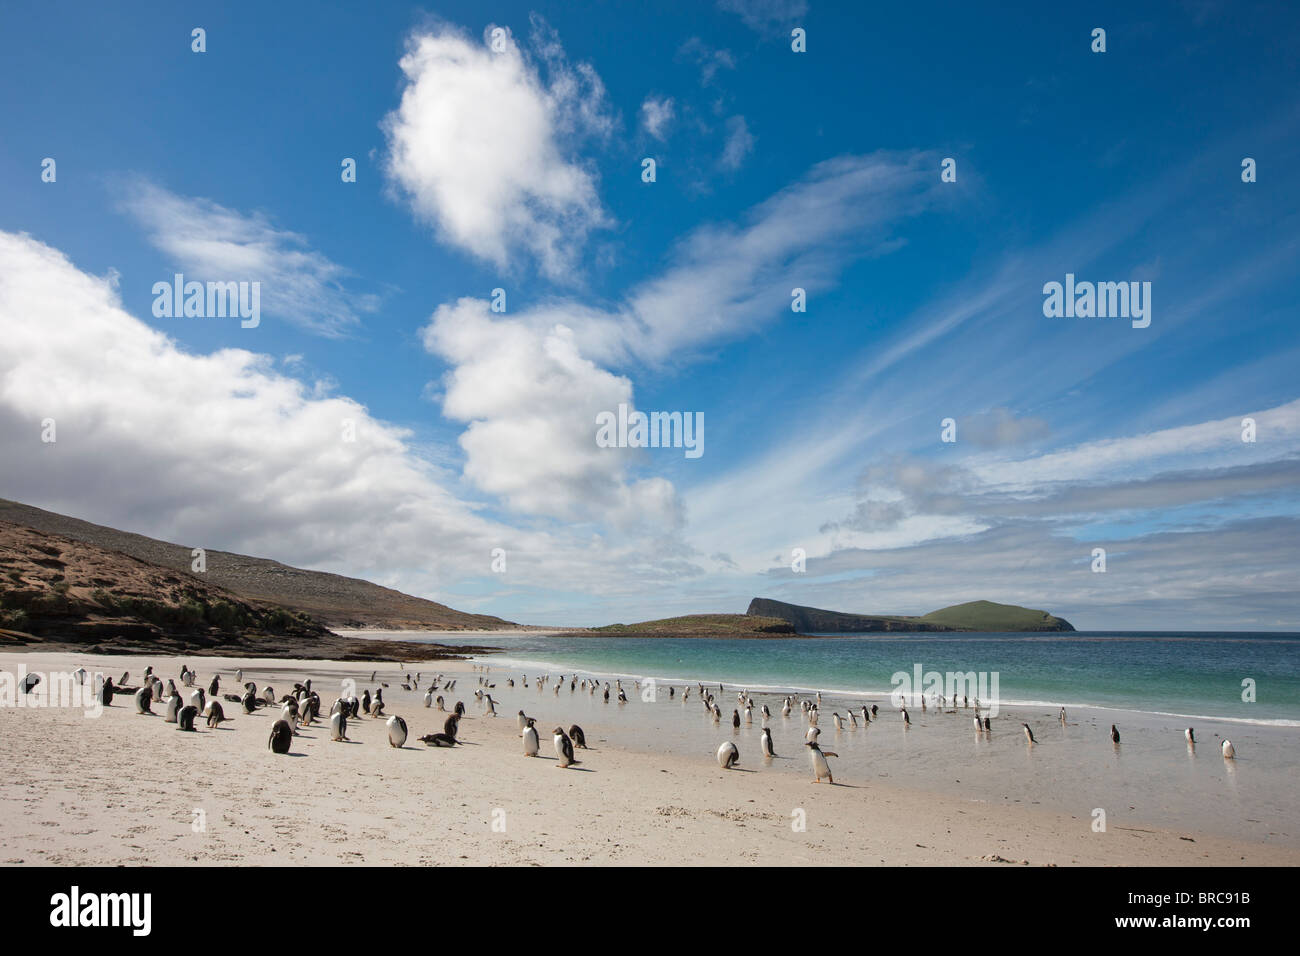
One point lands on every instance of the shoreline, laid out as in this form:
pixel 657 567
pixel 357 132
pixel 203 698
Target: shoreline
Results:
pixel 636 798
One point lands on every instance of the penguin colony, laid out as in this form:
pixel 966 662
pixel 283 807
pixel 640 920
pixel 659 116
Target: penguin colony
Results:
pixel 301 708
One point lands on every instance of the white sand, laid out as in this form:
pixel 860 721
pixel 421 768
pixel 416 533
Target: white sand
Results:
pixel 125 788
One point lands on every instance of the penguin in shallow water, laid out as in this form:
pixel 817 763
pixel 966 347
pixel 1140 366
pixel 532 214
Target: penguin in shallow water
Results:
pixel 1029 734
pixel 281 737
pixel 396 731
pixel 529 736
pixel 578 737
pixel 820 766
pixel 766 743
pixel 735 720
pixel 812 734
pixel 563 748
pixel 1061 717
pixel 1190 735
pixel 839 723
pixel 728 755
pixel 1229 751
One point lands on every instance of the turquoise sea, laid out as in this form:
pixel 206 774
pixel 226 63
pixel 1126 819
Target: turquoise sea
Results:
pixel 1193 674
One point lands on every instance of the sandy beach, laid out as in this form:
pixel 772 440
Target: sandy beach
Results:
pixel 130 789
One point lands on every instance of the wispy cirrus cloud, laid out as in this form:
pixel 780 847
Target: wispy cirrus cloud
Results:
pixel 212 242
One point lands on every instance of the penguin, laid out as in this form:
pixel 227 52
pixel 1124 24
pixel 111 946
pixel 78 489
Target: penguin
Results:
pixel 339 725
pixel 766 742
pixel 428 698
pixel 492 707
pixel 1114 734
pixel 1062 716
pixel 268 694
pixel 607 693
pixel 1190 735
pixel 578 737
pixel 875 709
pixel 459 709
pixel 365 700
pixel 767 714
pixel 1229 751
pixel 198 700
pixel 530 739
pixel 521 721
pixel 728 755
pixel 563 748
pixel 440 704
pixel 451 726
pixel 396 731
pixel 866 716
pixel 143 699
pixel 820 766
pixel 158 695
pixel 1029 734
pixel 438 740
pixel 907 721
pixel 785 708
pixel 215 687
pixel 185 719
pixel 239 676
pixel 988 725
pixel 978 726
pixel 173 709
pixel 839 724
pixel 215 714
pixel 812 734
pixel 281 737
pixel 735 720
pixel 106 692
pixel 377 704
pixel 249 702
pixel 622 696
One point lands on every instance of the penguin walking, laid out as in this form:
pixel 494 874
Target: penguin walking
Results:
pixel 530 739
pixel 811 735
pixel 1114 734
pixel 1229 751
pixel 728 755
pixel 1191 736
pixel 563 748
pixel 1062 716
pixel 396 731
pixel 978 726
pixel 1029 734
pixel 820 766
pixel 839 724
pixel 578 737
pixel 766 743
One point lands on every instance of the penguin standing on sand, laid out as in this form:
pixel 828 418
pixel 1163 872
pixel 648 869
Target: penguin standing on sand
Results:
pixel 820 766
pixel 185 719
pixel 396 731
pixel 281 737
pixel 578 737
pixel 728 755
pixel 1191 736
pixel 766 742
pixel 143 699
pixel 1114 734
pixel 365 700
pixel 1029 734
pixel 216 714
pixel 339 725
pixel 173 709
pixel 563 748
pixel 530 739
pixel 522 721
pixel 1229 751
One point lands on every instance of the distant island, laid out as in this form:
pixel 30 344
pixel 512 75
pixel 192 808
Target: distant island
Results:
pixel 972 616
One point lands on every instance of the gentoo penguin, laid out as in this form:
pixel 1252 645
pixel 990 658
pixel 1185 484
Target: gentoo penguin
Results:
pixel 907 721
pixel 622 696
pixel 339 725
pixel 1190 735
pixel 173 709
pixel 491 705
pixel 377 704
pixel 978 726
pixel 812 734
pixel 185 719
pixel 728 755
pixel 563 748
pixel 1029 734
pixel 820 766
pixel 988 725
pixel 785 708
pixel 158 695
pixel 268 694
pixel 1062 717
pixel 1114 734
pixel 866 716
pixel 428 699
pixel 735 719
pixel 578 737
pixel 530 739
pixel 215 714
pixel 521 721
pixel 606 693
pixel 459 708
pixel 1229 751
pixel 438 740
pixel 875 709
pixel 239 676
pixel 365 700
pixel 396 731
pixel 766 742
pixel 281 737
pixel 766 713
pixel 451 726
pixel 289 713
pixel 839 724
pixel 249 702
pixel 143 698
pixel 198 700
pixel 215 687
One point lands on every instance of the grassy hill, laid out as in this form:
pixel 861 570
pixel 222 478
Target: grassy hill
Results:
pixel 700 625
pixel 331 599
pixel 988 616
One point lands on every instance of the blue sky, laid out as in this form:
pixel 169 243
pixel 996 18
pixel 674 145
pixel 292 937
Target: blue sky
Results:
pixel 520 168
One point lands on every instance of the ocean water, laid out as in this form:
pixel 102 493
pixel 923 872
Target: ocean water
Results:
pixel 1193 675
